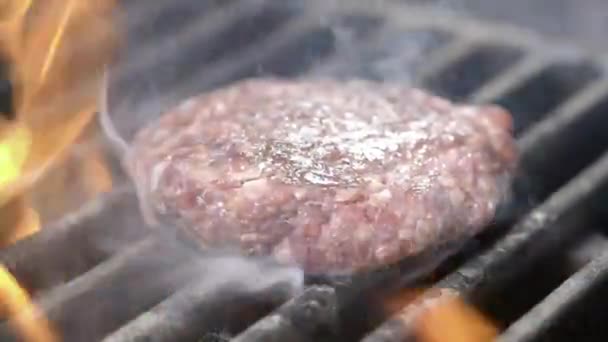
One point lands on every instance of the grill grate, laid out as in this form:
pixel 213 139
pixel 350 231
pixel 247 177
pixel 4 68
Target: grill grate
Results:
pixel 557 94
pixel 538 320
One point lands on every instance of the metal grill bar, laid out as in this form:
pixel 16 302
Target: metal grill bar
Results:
pixel 552 225
pixel 33 260
pixel 510 79
pixel 580 119
pixel 300 319
pixel 563 118
pixel 488 61
pixel 245 64
pixel 199 308
pixel 149 259
pixel 412 16
pixel 367 58
pixel 337 59
pixel 535 322
pixel 563 79
pixel 211 23
pixel 58 297
pixel 445 56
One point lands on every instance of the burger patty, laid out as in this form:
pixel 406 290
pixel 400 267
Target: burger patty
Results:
pixel 332 176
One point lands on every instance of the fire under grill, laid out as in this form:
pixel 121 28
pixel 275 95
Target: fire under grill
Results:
pixel 540 273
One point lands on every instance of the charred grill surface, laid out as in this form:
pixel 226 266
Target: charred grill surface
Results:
pixel 557 94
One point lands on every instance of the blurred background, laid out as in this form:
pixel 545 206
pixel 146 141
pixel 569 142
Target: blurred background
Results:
pixel 584 21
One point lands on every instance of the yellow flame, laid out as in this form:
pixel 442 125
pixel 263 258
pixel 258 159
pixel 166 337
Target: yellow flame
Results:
pixel 18 220
pixel 64 51
pixel 56 50
pixel 25 317
pixel 15 142
pixel 28 224
pixel 98 178
pixel 12 14
pixel 57 39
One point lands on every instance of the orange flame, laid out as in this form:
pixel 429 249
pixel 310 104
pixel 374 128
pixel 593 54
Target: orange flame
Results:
pixel 18 220
pixel 455 321
pixel 444 317
pixel 56 50
pixel 26 318
pixel 57 63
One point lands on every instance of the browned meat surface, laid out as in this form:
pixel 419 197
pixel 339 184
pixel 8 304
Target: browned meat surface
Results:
pixel 334 177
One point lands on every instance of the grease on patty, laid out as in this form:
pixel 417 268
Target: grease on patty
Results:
pixel 335 177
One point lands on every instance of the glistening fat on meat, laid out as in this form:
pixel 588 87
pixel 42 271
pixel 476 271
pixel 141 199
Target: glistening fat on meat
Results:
pixel 335 177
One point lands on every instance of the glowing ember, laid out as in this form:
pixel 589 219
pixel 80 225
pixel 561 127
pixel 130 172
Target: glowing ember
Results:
pixel 25 317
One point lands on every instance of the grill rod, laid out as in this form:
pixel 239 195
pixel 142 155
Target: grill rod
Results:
pixel 208 25
pixel 73 296
pixel 554 223
pixel 92 234
pixel 212 299
pixel 298 320
pixel 200 308
pixel 538 320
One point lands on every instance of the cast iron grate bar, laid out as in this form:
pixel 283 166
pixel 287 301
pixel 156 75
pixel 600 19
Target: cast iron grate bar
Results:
pixel 543 146
pixel 91 235
pixel 299 320
pixel 296 33
pixel 520 72
pixel 538 320
pixel 560 79
pixel 201 306
pixel 375 58
pixel 143 54
pixel 145 262
pixel 552 225
pixel 443 58
pixel 472 70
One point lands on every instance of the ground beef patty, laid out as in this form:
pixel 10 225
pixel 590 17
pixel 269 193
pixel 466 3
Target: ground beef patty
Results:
pixel 333 176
